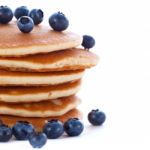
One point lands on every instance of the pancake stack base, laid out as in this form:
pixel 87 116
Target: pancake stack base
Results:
pixel 38 122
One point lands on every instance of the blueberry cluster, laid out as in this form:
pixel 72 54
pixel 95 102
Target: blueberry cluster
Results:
pixel 53 129
pixel 27 19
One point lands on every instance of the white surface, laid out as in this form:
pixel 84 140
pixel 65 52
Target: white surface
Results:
pixel 120 84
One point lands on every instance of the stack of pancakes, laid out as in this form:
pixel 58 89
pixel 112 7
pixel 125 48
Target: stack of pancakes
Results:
pixel 40 73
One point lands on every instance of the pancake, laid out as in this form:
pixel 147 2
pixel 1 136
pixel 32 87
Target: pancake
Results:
pixel 49 108
pixel 39 122
pixel 41 40
pixel 35 94
pixel 9 78
pixel 72 59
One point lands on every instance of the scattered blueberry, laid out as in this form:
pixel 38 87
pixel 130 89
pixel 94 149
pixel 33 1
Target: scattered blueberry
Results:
pixel 5 133
pixel 21 11
pixel 37 15
pixel 96 117
pixel 37 140
pixel 6 14
pixel 58 21
pixel 53 129
pixel 73 127
pixel 25 24
pixel 88 41
pixel 22 130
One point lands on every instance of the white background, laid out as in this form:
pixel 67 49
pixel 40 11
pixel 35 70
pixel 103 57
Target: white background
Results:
pixel 120 84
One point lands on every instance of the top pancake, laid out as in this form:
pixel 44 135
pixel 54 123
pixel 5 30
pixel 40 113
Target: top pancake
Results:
pixel 41 40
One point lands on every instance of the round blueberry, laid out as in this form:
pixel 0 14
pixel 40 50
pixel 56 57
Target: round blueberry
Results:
pixel 25 24
pixel 22 130
pixel 96 117
pixel 88 41
pixel 58 21
pixel 5 133
pixel 6 14
pixel 37 15
pixel 73 127
pixel 21 11
pixel 37 140
pixel 53 129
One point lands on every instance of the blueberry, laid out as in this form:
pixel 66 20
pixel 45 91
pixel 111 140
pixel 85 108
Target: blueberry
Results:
pixel 58 21
pixel 6 14
pixel 96 117
pixel 5 133
pixel 21 11
pixel 37 140
pixel 88 41
pixel 22 130
pixel 25 24
pixel 37 15
pixel 53 129
pixel 73 127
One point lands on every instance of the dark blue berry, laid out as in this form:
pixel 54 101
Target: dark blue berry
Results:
pixel 53 129
pixel 5 133
pixel 22 130
pixel 73 127
pixel 6 14
pixel 88 41
pixel 58 21
pixel 37 140
pixel 21 11
pixel 25 24
pixel 96 117
pixel 37 15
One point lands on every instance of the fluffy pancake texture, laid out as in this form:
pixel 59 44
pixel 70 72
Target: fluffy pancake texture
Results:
pixel 39 122
pixel 49 108
pixel 35 94
pixel 41 40
pixel 72 59
pixel 11 78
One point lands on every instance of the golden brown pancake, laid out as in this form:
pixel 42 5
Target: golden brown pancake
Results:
pixel 39 122
pixel 72 59
pixel 41 40
pixel 48 108
pixel 35 94
pixel 14 78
